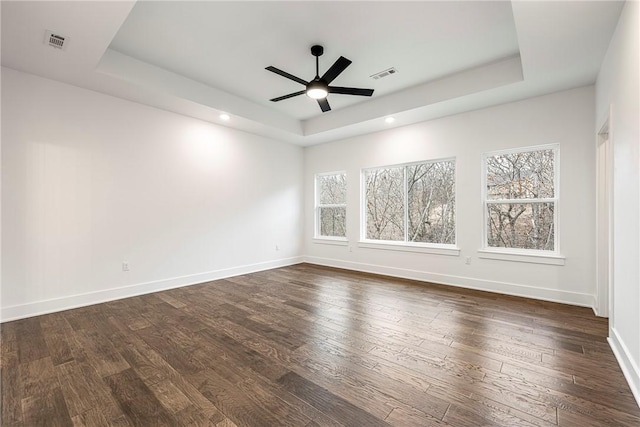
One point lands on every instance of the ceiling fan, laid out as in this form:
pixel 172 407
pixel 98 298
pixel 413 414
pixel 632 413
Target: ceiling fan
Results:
pixel 319 88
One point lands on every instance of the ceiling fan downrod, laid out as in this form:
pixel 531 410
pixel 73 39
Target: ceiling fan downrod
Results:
pixel 317 51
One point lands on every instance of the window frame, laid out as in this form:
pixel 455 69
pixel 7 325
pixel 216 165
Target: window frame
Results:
pixel 406 246
pixel 317 206
pixel 521 254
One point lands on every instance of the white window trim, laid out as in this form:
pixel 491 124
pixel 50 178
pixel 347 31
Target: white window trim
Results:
pixel 317 237
pixel 331 240
pixel 532 257
pixel 433 248
pixel 426 248
pixel 516 254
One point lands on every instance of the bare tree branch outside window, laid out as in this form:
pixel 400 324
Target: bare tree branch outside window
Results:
pixel 385 204
pixel 521 199
pixel 431 203
pixel 414 203
pixel 331 208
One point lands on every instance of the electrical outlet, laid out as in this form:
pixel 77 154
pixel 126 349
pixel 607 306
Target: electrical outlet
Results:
pixel 125 266
pixel 350 248
pixel 277 248
pixel 467 260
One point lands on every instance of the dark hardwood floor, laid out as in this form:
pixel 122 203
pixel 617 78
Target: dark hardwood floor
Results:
pixel 313 346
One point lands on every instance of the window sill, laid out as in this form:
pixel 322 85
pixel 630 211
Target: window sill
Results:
pixel 534 258
pixel 407 247
pixel 337 241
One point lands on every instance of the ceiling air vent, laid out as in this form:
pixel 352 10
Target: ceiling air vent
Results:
pixel 55 40
pixel 385 73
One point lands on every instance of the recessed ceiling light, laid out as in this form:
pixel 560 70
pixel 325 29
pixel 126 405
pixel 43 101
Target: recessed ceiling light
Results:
pixel 390 120
pixel 224 117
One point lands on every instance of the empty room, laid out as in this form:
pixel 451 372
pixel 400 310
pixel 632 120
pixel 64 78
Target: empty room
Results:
pixel 320 213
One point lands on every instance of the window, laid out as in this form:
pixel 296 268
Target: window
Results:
pixel 521 199
pixel 412 203
pixel 331 205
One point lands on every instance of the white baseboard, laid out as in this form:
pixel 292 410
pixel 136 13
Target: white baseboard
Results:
pixel 80 300
pixel 627 364
pixel 553 295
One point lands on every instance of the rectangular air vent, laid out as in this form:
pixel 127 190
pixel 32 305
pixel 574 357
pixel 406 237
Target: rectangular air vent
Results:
pixel 385 73
pixel 55 40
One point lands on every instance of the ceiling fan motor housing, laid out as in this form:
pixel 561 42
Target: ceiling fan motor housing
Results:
pixel 317 50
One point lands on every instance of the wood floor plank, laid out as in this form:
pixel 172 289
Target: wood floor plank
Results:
pixel 231 400
pixel 136 400
pixel 173 301
pixel 239 354
pixel 408 416
pixel 90 418
pixel 253 373
pixel 306 345
pixel 57 333
pixel 226 423
pixel 560 399
pixel 371 401
pixel 489 409
pixel 168 346
pixel 263 395
pixel 156 369
pixel 170 396
pixel 462 417
pixel 319 347
pixel 325 401
pixel 571 419
pixel 9 338
pixel 129 313
pixel 362 379
pixel 100 352
pixel 31 343
pixel 48 409
pixel 38 377
pixel 620 399
pixel 77 390
pixel 11 387
pixel 84 391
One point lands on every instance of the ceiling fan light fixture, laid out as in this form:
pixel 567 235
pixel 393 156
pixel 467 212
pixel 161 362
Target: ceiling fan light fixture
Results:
pixel 318 93
pixel 317 90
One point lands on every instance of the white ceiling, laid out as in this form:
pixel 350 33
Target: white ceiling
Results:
pixel 227 45
pixel 203 58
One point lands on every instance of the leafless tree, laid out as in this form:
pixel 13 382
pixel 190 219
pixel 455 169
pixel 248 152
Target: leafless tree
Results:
pixel 431 202
pixel 332 208
pixel 517 182
pixel 385 204
pixel 424 194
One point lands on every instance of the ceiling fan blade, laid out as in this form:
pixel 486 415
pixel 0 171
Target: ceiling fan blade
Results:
pixel 324 105
pixel 350 91
pixel 287 75
pixel 339 66
pixel 291 95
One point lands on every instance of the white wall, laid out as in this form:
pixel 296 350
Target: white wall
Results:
pixel 566 118
pixel 617 91
pixel 90 181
